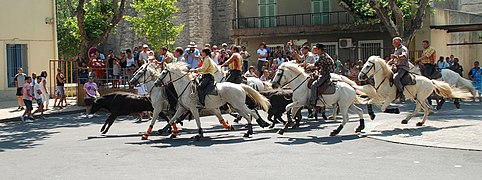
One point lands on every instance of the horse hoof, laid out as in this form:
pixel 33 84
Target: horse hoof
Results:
pixel 334 133
pixel 457 106
pixel 372 116
pixel 404 122
pixel 197 137
pixel 281 132
pixel 297 125
pixel 231 128
pixel 246 135
pixel 144 138
pixel 419 124
pixel 359 129
pixel 272 126
pixel 324 117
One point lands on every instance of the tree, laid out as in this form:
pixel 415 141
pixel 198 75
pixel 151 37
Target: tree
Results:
pixel 154 21
pixel 401 18
pixel 96 20
pixel 68 37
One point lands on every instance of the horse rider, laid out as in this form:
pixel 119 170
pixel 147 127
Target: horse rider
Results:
pixel 325 65
pixel 400 59
pixel 206 83
pixel 235 63
pixel 427 59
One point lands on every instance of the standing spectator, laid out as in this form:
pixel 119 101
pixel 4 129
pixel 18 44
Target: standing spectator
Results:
pixel 192 56
pixel 451 61
pixel 27 99
pixel 143 55
pixel 60 90
pixel 37 89
pixel 215 55
pixel 84 73
pixel 279 59
pixel 19 81
pixel 225 47
pixel 116 73
pixel 45 92
pixel 77 70
pixel 235 63
pixel 441 64
pixel 265 66
pixel 274 66
pixel 314 50
pixel 152 58
pixel 346 69
pixel 475 74
pixel 223 58
pixel 457 67
pixel 34 79
pixel 250 72
pixel 262 56
pixel 427 60
pixel 136 53
pixel 142 90
pixel 99 67
pixel 130 64
pixel 99 55
pixel 90 89
pixel 178 55
pixel 246 57
pixel 265 76
pixel 110 64
pixel 338 64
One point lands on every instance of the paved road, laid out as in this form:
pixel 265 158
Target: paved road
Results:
pixel 69 147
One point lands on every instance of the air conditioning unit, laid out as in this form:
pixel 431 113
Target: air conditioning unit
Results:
pixel 345 43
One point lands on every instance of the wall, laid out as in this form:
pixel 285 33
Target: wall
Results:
pixel 205 21
pixel 27 27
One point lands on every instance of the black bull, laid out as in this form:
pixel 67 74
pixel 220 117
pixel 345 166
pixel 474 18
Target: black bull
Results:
pixel 122 103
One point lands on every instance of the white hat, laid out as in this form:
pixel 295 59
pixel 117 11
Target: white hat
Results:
pixel 145 46
pixel 224 44
pixel 192 45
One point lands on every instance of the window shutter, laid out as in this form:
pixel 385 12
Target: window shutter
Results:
pixel 316 6
pixel 272 12
pixel 325 8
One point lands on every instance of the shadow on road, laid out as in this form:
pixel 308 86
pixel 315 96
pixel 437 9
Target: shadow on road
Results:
pixel 414 131
pixel 319 140
pixel 17 135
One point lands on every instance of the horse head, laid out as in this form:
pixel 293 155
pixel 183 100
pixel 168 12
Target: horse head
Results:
pixel 368 68
pixel 140 75
pixel 171 73
pixel 287 70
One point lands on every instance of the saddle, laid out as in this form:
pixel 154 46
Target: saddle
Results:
pixel 407 79
pixel 329 87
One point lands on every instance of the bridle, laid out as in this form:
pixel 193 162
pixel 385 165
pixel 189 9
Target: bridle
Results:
pixel 160 80
pixel 144 71
pixel 281 72
pixel 365 75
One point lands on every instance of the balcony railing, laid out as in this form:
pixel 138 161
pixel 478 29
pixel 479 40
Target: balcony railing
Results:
pixel 307 19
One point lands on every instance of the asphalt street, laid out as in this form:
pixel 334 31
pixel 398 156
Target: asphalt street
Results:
pixel 71 147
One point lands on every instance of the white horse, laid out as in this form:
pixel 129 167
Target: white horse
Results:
pixel 345 95
pixel 234 94
pixel 385 92
pixel 148 73
pixel 453 79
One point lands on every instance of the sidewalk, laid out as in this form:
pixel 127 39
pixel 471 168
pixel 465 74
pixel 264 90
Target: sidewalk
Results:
pixel 447 128
pixel 9 112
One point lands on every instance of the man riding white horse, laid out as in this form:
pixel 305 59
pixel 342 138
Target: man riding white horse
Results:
pixel 206 83
pixel 400 59
pixel 325 65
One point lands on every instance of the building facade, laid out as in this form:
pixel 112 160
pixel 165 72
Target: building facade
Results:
pixel 307 22
pixel 28 39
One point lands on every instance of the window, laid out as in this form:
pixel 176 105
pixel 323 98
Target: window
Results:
pixel 370 48
pixel 330 47
pixel 16 57
pixel 267 13
pixel 321 12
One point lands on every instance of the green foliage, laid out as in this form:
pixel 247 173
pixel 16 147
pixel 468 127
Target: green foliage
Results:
pixel 97 17
pixel 362 9
pixel 68 37
pixel 154 21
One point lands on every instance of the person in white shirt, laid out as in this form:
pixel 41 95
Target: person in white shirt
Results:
pixel 262 57
pixel 144 54
pixel 178 55
pixel 142 90
pixel 37 89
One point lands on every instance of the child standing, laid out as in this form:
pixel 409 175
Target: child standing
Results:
pixel 142 90
pixel 27 100
pixel 37 88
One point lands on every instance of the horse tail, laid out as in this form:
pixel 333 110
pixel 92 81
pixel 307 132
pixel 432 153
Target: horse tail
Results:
pixel 443 89
pixel 257 97
pixel 349 81
pixel 465 83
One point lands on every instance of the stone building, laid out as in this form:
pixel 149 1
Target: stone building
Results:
pixel 205 21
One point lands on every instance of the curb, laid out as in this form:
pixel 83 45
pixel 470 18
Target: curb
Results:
pixel 15 119
pixel 422 144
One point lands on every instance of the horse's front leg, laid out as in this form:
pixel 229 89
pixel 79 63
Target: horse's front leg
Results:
pixel 155 116
pixel 293 107
pixel 176 116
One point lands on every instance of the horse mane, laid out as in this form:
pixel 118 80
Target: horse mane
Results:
pixel 154 69
pixel 179 67
pixel 381 62
pixel 294 67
